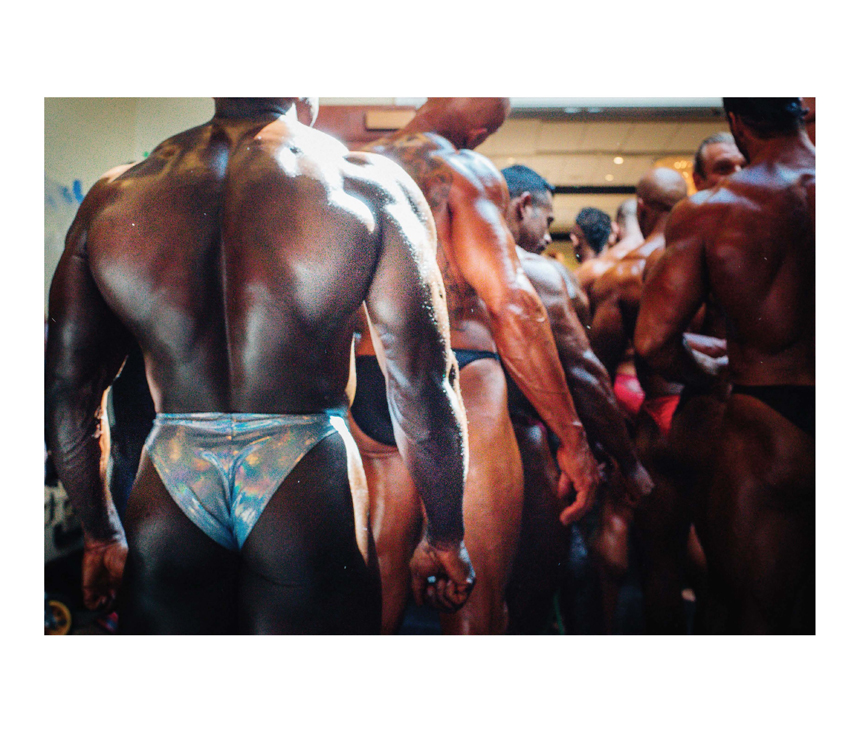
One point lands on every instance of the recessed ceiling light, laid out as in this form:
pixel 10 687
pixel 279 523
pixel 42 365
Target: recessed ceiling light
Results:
pixel 609 177
pixel 618 160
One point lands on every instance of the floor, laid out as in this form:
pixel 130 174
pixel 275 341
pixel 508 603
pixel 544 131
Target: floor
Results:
pixel 572 612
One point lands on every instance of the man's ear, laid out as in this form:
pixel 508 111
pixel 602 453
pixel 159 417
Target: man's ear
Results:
pixel 735 125
pixel 476 136
pixel 523 202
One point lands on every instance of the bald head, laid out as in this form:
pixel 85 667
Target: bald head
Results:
pixel 626 223
pixel 662 188
pixel 465 121
pixel 657 192
pixel 308 109
pixel 626 210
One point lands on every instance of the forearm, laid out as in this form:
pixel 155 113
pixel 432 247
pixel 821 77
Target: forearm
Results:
pixel 429 424
pixel 527 349
pixel 74 437
pixel 676 361
pixel 597 408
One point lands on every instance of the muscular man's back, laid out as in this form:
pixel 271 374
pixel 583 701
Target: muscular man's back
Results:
pixel 238 303
pixel 760 257
pixel 443 172
pixel 237 255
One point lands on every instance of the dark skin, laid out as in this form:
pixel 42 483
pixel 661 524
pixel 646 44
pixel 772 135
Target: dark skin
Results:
pixel 674 552
pixel 597 407
pixel 617 296
pixel 750 245
pixel 529 217
pixel 586 377
pixel 629 238
pixel 492 307
pixel 238 255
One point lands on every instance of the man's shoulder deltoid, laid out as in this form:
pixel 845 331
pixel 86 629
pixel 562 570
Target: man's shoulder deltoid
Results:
pixel 546 275
pixel 694 215
pixel 476 165
pixel 382 179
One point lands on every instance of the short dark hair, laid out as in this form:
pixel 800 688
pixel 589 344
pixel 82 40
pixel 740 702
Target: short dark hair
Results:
pixel 699 163
pixel 596 226
pixel 768 116
pixel 521 178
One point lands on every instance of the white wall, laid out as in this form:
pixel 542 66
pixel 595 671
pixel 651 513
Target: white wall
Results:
pixel 85 137
pixel 157 119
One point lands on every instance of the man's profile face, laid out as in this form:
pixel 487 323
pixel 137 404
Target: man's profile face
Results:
pixel 534 226
pixel 581 248
pixel 720 160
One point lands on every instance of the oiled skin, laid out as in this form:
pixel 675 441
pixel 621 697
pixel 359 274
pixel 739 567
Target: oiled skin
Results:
pixel 749 244
pixel 237 256
pixel 492 307
pixel 543 542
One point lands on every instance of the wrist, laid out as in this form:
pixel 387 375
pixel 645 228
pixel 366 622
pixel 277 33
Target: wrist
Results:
pixel 444 541
pixel 112 532
pixel 573 434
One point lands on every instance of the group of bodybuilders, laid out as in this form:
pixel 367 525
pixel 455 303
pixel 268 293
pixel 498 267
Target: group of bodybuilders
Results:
pixel 371 387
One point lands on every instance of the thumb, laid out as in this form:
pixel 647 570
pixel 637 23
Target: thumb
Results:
pixel 457 566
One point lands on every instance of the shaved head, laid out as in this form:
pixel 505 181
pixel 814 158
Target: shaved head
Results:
pixel 465 121
pixel 657 192
pixel 626 210
pixel 662 188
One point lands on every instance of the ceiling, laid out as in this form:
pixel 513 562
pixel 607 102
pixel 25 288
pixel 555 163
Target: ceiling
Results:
pixel 582 155
pixel 573 142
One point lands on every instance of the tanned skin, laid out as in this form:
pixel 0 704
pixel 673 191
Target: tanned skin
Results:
pixel 629 238
pixel 692 442
pixel 238 255
pixel 749 244
pixel 544 543
pixel 597 407
pixel 492 307
pixel 616 298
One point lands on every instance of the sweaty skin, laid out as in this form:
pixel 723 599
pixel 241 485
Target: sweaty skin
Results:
pixel 750 245
pixel 237 255
pixel 542 545
pixel 616 298
pixel 586 377
pixel 673 556
pixel 492 307
pixel 629 238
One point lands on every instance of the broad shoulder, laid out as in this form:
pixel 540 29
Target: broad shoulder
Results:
pixel 697 216
pixel 543 273
pixel 475 174
pixel 94 202
pixel 379 170
pixel 589 271
pixel 385 184
pixel 620 281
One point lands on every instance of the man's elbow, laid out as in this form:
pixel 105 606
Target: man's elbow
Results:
pixel 516 303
